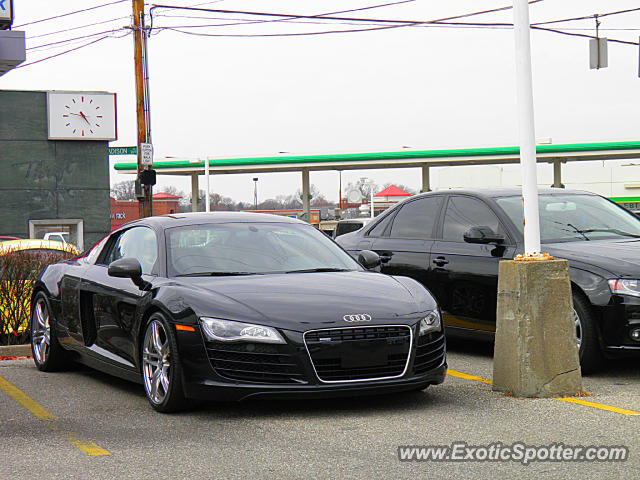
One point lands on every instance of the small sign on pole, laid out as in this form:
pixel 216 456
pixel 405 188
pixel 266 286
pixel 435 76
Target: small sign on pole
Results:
pixel 146 151
pixel 598 57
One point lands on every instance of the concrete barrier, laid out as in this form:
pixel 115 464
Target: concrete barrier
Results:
pixel 536 353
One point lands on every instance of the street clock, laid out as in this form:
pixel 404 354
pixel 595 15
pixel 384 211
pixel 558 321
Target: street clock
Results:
pixel 82 115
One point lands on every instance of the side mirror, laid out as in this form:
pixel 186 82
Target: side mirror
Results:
pixel 369 259
pixel 127 267
pixel 482 234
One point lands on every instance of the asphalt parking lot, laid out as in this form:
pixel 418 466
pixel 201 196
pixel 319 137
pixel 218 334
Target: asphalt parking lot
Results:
pixel 84 424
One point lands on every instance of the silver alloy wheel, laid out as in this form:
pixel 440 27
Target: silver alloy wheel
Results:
pixel 156 362
pixel 41 331
pixel 578 325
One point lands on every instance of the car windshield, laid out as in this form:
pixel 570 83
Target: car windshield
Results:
pixel 575 217
pixel 252 248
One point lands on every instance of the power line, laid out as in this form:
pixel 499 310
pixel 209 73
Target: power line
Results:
pixel 395 23
pixel 326 16
pixel 70 50
pixel 250 22
pixel 76 28
pixel 69 13
pixel 73 39
pixel 587 17
pixel 563 32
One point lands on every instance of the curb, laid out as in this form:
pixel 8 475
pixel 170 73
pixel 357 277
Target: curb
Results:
pixel 15 350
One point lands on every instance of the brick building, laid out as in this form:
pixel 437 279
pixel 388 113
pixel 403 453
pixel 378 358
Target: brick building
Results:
pixel 125 211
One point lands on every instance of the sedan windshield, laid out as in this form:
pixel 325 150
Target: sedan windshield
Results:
pixel 575 217
pixel 252 248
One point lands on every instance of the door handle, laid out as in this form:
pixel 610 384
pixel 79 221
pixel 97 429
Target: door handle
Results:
pixel 440 261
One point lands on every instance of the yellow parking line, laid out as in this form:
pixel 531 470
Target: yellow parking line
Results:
pixel 599 406
pixel 466 376
pixel 42 413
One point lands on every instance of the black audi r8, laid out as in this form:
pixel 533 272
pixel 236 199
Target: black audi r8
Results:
pixel 230 306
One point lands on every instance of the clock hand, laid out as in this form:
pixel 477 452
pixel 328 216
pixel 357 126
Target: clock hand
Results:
pixel 85 118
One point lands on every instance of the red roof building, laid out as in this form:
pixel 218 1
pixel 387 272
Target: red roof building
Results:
pixel 392 194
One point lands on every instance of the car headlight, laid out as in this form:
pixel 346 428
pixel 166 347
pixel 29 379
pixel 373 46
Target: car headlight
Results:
pixel 431 322
pixel 228 331
pixel 625 286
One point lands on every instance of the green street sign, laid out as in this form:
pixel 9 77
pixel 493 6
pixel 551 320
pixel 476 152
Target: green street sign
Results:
pixel 123 150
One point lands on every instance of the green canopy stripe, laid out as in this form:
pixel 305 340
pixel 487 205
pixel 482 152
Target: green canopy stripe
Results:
pixel 406 155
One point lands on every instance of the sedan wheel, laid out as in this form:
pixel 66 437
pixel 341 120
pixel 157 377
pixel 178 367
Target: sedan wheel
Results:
pixel 578 325
pixel 586 335
pixel 161 370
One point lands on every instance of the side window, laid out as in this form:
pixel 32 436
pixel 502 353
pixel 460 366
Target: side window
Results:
pixel 465 212
pixel 139 243
pixel 416 219
pixel 379 229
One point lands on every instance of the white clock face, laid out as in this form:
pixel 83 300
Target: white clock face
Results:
pixel 81 116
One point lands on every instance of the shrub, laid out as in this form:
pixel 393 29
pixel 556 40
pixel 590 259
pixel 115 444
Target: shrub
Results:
pixel 19 269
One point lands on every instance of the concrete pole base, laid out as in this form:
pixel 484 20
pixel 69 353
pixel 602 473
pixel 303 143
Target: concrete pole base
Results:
pixel 535 353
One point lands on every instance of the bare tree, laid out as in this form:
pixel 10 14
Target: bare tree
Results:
pixel 125 190
pixel 364 185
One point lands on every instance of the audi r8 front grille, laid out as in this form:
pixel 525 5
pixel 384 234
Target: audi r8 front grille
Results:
pixel 254 362
pixel 429 352
pixel 356 354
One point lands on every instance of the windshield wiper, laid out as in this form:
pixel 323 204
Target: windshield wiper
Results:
pixel 215 274
pixel 322 269
pixel 609 230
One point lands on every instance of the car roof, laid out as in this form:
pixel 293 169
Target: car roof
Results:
pixel 195 218
pixel 497 192
pixel 33 244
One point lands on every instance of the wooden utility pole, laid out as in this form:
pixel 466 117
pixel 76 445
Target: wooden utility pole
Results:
pixel 142 102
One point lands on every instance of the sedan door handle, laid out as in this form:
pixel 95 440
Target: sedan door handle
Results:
pixel 440 261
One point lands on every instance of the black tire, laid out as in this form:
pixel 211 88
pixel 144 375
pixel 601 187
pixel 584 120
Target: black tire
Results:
pixel 48 355
pixel 161 367
pixel 589 351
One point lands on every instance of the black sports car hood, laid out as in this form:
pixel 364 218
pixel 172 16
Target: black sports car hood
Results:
pixel 300 301
pixel 620 257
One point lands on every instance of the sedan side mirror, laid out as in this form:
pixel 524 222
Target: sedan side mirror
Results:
pixel 482 234
pixel 127 267
pixel 369 259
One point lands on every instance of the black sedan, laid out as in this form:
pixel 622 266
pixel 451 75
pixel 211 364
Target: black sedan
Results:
pixel 229 306
pixel 452 241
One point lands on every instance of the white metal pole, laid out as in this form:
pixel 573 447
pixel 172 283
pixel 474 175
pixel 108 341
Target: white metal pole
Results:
pixel 524 87
pixel 372 192
pixel 207 206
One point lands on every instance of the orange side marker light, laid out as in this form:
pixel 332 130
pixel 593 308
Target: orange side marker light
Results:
pixel 185 328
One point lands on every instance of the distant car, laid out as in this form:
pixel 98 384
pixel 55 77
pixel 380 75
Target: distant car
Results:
pixel 7 239
pixel 57 236
pixel 349 225
pixel 230 306
pixel 328 227
pixel 452 242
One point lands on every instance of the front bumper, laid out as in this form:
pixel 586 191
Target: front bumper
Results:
pixel 616 321
pixel 206 378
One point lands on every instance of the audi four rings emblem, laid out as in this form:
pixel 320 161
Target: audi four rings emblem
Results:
pixel 357 317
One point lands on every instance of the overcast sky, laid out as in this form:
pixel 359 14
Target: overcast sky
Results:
pixel 417 87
